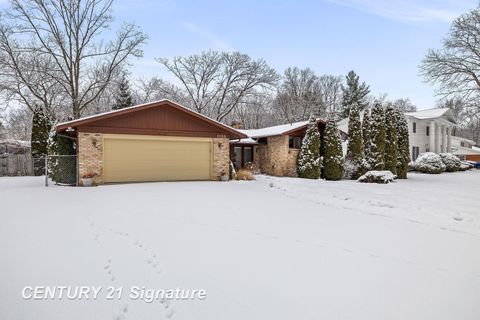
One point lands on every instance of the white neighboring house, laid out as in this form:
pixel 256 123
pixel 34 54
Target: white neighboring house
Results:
pixel 428 130
pixel 465 149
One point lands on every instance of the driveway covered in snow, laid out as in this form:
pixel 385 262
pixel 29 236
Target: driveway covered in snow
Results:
pixel 275 248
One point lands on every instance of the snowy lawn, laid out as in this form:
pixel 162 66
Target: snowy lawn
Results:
pixel 275 248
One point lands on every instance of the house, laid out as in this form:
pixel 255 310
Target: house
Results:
pixel 157 141
pixel 428 130
pixel 272 150
pixel 465 149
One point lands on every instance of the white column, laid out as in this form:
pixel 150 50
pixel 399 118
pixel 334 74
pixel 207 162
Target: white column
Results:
pixel 444 139
pixel 437 139
pixel 449 139
pixel 431 143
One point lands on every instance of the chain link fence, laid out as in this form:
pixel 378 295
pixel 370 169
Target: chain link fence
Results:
pixel 61 169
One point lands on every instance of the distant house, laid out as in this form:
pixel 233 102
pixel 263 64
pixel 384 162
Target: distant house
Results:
pixel 272 150
pixel 465 149
pixel 429 130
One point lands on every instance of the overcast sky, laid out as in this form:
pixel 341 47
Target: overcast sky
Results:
pixel 383 41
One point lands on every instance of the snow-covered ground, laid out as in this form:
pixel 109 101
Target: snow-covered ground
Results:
pixel 275 248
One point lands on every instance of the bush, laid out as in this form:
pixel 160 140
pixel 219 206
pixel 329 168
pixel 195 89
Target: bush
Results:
pixel 429 162
pixel 452 162
pixel 244 175
pixel 466 165
pixel 375 176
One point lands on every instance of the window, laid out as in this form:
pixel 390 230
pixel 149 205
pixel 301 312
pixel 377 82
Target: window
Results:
pixel 415 152
pixel 248 154
pixel 462 144
pixel 294 142
pixel 428 130
pixel 414 127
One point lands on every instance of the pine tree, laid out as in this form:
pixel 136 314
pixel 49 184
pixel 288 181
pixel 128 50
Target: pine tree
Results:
pixel 308 161
pixel 354 92
pixel 62 169
pixel 377 138
pixel 124 97
pixel 403 155
pixel 367 142
pixel 41 126
pixel 333 157
pixel 391 150
pixel 354 161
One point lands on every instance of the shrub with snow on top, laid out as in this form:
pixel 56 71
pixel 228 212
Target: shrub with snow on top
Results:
pixel 452 162
pixel 375 176
pixel 429 162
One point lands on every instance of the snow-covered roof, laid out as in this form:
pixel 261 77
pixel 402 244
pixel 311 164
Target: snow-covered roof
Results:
pixel 22 143
pixel 276 130
pixel 432 114
pixel 244 141
pixel 463 139
pixel 458 150
pixel 476 148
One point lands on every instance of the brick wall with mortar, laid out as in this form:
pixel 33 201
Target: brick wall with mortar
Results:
pixel 221 157
pixel 90 155
pixel 276 158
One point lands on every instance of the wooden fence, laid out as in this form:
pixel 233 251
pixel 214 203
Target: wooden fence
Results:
pixel 16 165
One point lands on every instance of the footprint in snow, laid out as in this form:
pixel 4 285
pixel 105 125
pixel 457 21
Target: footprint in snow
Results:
pixel 457 219
pixel 123 313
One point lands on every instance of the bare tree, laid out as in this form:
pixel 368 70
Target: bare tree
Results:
pixel 404 105
pixel 331 94
pixel 254 112
pixel 65 35
pixel 299 96
pixel 216 82
pixel 157 89
pixel 455 68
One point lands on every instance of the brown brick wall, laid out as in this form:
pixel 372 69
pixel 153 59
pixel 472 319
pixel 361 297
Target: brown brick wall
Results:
pixel 221 157
pixel 90 155
pixel 276 158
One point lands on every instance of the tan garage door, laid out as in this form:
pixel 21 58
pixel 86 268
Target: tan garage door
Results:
pixel 147 158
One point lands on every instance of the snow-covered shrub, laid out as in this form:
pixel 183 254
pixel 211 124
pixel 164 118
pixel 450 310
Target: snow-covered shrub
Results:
pixel 429 162
pixel 452 162
pixel 355 158
pixel 333 155
pixel 244 175
pixel 403 149
pixel 411 166
pixel 375 176
pixel 308 161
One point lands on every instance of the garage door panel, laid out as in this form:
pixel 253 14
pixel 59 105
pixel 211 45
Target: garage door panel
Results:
pixel 160 159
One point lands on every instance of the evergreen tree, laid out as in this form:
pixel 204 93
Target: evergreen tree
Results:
pixel 333 156
pixel 63 169
pixel 308 161
pixel 391 140
pixel 377 138
pixel 403 154
pixel 39 139
pixel 123 97
pixel 354 92
pixel 367 142
pixel 354 161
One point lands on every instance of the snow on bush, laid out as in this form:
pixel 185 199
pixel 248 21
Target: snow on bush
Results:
pixel 452 162
pixel 376 176
pixel 429 162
